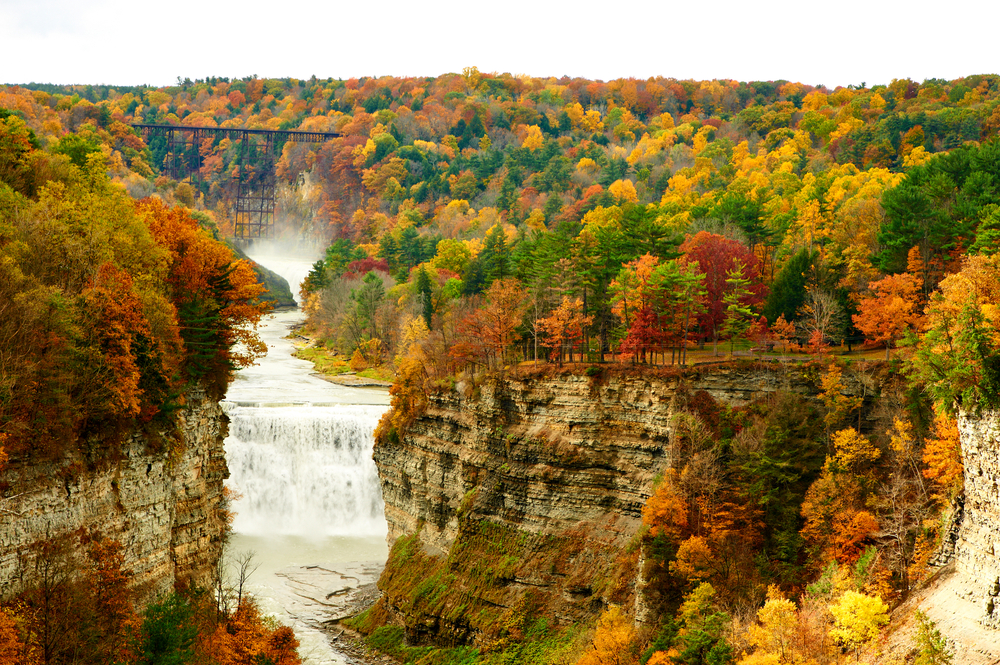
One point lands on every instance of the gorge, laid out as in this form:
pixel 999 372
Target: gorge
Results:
pixel 308 504
pixel 524 495
pixel 294 452
pixel 531 486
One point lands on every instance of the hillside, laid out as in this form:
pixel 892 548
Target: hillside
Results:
pixel 481 226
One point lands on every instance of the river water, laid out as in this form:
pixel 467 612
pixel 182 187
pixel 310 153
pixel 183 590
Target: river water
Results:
pixel 300 458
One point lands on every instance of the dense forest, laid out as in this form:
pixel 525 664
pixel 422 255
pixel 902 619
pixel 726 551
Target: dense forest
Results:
pixel 475 221
pixel 112 311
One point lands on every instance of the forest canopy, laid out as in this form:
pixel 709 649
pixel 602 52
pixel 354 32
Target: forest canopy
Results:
pixel 475 221
pixel 110 308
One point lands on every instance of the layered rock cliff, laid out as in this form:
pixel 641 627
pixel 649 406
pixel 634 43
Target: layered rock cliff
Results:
pixel 977 551
pixel 166 509
pixel 555 468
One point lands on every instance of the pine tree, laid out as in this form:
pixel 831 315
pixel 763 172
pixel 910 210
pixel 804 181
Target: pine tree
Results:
pixel 739 316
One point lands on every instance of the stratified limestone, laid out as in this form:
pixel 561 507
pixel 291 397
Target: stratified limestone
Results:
pixel 559 467
pixel 545 455
pixel 977 552
pixel 167 513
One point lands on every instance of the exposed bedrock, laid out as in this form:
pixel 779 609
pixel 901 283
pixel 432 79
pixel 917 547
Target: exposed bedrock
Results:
pixel 562 464
pixel 166 510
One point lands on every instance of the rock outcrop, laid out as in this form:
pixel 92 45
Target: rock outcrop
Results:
pixel 977 552
pixel 559 469
pixel 541 455
pixel 166 509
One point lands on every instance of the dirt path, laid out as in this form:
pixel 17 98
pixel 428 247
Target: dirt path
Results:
pixel 945 601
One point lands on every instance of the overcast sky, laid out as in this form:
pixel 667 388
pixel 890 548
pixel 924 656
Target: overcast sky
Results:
pixel 130 42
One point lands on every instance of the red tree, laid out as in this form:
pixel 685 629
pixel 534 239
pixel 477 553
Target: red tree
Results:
pixel 716 256
pixel 644 335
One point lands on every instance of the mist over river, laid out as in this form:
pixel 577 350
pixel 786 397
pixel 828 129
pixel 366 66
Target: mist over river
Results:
pixel 300 458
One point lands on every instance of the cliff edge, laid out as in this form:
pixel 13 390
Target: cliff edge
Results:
pixel 524 495
pixel 167 510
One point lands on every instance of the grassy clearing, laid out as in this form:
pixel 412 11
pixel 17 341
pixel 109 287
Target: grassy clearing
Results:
pixel 326 361
pixel 384 373
pixel 329 362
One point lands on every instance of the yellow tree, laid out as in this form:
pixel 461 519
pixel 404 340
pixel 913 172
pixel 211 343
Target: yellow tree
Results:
pixel 612 641
pixel 783 332
pixel 533 139
pixel 857 619
pixel 623 191
pixel 774 635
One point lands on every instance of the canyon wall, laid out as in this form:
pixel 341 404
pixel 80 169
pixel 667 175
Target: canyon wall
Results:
pixel 977 551
pixel 558 450
pixel 167 510
pixel 560 468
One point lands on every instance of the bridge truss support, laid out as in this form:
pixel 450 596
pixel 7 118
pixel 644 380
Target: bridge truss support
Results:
pixel 255 179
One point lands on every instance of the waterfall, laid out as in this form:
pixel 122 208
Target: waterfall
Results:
pixel 300 459
pixel 300 448
pixel 305 470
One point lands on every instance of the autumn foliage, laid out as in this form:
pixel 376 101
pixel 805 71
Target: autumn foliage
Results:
pixel 891 311
pixel 630 218
pixel 82 609
pixel 244 638
pixel 111 308
pixel 216 297
pixel 612 640
pixel 563 327
pixel 943 457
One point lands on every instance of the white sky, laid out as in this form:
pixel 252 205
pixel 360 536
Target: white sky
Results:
pixel 130 42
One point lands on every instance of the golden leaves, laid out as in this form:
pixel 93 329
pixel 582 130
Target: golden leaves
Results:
pixel 666 512
pixel 533 138
pixel 853 451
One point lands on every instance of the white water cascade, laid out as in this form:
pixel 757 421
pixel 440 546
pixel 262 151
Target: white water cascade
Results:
pixel 300 459
pixel 305 470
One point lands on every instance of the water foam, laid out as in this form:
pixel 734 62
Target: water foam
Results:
pixel 305 470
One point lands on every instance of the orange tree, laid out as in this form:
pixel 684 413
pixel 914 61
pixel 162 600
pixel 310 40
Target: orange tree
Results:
pixel 216 296
pixel 488 331
pixel 564 325
pixel 958 358
pixel 891 311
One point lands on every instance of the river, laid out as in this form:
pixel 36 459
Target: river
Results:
pixel 300 459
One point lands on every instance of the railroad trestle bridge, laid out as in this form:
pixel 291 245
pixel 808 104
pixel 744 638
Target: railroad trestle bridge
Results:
pixel 255 177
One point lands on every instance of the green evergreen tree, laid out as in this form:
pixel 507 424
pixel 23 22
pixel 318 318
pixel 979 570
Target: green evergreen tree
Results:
pixel 788 292
pixel 739 316
pixel 169 631
pixel 700 640
pixel 425 295
pixel 495 256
